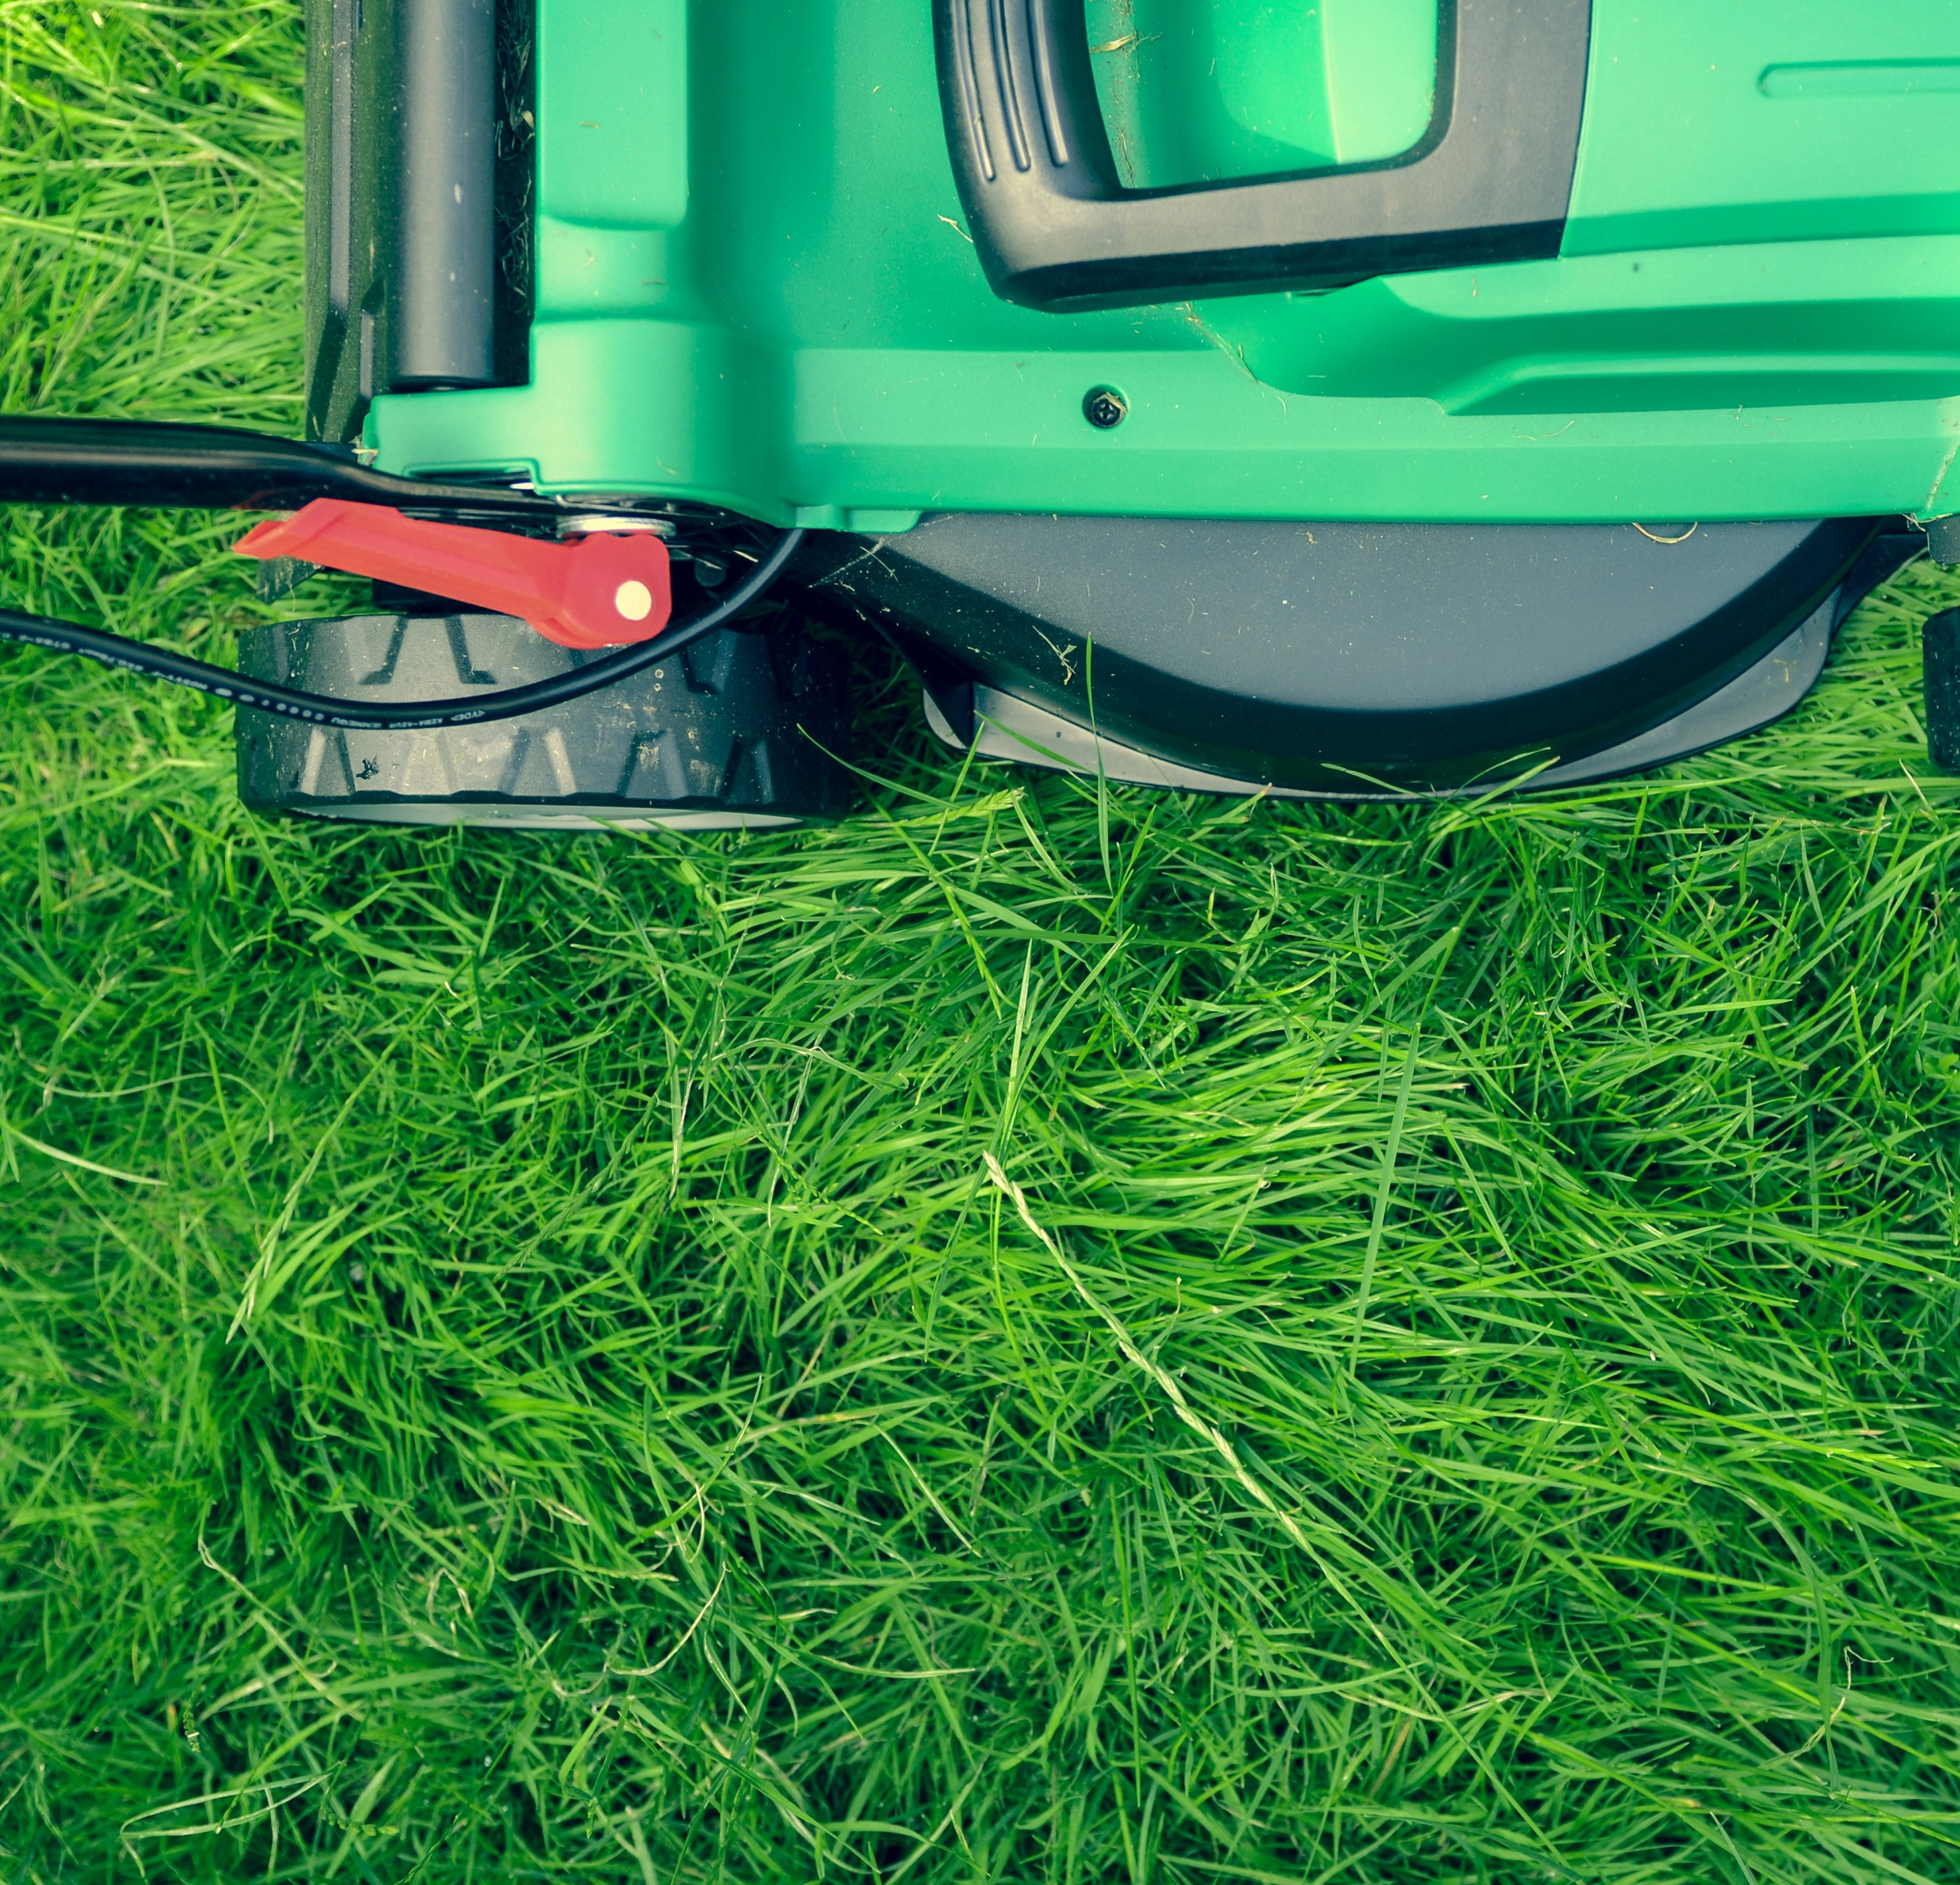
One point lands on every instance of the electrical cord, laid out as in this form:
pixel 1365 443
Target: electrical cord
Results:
pixel 139 657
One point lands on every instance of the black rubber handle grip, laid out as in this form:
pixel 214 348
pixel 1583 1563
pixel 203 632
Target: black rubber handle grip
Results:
pixel 1490 182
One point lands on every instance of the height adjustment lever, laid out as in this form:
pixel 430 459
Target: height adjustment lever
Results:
pixel 598 591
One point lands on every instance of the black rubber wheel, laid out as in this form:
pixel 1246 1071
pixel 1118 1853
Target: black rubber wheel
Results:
pixel 744 727
pixel 1942 645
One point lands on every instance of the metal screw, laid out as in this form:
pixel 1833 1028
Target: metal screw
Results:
pixel 1104 408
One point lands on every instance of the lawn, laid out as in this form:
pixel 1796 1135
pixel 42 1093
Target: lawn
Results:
pixel 1037 1334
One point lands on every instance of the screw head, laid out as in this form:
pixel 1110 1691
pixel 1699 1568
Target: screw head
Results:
pixel 1104 408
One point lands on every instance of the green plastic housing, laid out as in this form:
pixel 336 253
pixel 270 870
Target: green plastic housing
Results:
pixel 753 288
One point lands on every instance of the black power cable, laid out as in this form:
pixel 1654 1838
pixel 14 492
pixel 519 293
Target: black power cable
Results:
pixel 139 657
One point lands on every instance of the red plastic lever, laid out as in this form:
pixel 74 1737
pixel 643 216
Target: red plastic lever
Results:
pixel 597 592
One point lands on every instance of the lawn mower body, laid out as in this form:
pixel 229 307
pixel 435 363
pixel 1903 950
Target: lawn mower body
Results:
pixel 751 280
pixel 1364 395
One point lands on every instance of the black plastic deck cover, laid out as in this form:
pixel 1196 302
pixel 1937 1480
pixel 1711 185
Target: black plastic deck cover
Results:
pixel 1490 182
pixel 1307 654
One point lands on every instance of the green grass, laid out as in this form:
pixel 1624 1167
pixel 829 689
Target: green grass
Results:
pixel 517 1363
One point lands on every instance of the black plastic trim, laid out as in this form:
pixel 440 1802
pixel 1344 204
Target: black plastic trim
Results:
pixel 1941 643
pixel 442 289
pixel 1491 183
pixel 517 186
pixel 1423 656
pixel 419 153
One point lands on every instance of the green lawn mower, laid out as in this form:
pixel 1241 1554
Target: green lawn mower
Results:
pixel 1341 398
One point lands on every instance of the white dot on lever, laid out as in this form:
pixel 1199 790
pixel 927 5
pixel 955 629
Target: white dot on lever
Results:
pixel 634 600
